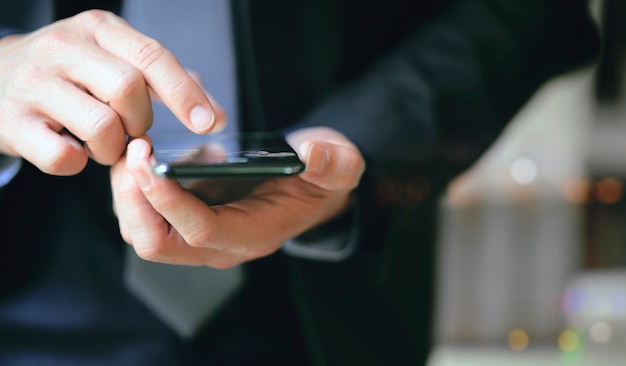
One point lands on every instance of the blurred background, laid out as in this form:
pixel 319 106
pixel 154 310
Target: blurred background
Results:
pixel 532 239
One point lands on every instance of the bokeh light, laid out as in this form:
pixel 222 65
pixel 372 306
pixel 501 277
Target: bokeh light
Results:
pixel 609 190
pixel 569 341
pixel 576 191
pixel 600 332
pixel 524 171
pixel 518 340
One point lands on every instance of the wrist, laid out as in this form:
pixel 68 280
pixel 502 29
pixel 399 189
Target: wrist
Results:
pixel 334 240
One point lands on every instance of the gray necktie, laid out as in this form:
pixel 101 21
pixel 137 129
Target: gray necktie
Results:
pixel 199 33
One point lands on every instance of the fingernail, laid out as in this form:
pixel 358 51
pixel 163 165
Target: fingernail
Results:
pixel 317 159
pixel 72 141
pixel 201 118
pixel 133 152
pixel 140 171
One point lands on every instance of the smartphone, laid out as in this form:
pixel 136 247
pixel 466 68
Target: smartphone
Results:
pixel 224 155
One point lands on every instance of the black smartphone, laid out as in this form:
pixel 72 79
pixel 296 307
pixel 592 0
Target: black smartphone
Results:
pixel 236 155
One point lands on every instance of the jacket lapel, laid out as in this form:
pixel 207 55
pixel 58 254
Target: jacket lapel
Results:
pixel 252 114
pixel 67 8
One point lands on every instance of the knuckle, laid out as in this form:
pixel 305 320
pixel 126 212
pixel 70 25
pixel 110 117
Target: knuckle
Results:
pixel 126 236
pixel 178 90
pixel 105 120
pixel 128 83
pixel 146 52
pixel 151 253
pixel 200 239
pixel 93 16
pixel 167 204
pixel 123 187
pixel 28 76
pixel 56 161
pixel 53 40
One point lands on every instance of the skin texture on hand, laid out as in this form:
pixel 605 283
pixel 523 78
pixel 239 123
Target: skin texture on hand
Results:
pixel 78 87
pixel 167 223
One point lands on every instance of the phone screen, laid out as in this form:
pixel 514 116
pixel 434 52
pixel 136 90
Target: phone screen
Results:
pixel 253 154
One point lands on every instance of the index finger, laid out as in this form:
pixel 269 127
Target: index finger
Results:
pixel 162 71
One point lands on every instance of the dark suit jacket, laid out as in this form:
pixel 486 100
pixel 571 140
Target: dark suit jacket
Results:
pixel 422 87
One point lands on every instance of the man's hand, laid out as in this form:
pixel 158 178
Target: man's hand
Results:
pixel 166 223
pixel 76 88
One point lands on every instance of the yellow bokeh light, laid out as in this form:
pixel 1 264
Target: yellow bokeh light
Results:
pixel 518 340
pixel 576 191
pixel 569 341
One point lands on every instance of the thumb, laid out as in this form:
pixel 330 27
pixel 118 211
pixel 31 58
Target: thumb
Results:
pixel 331 167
